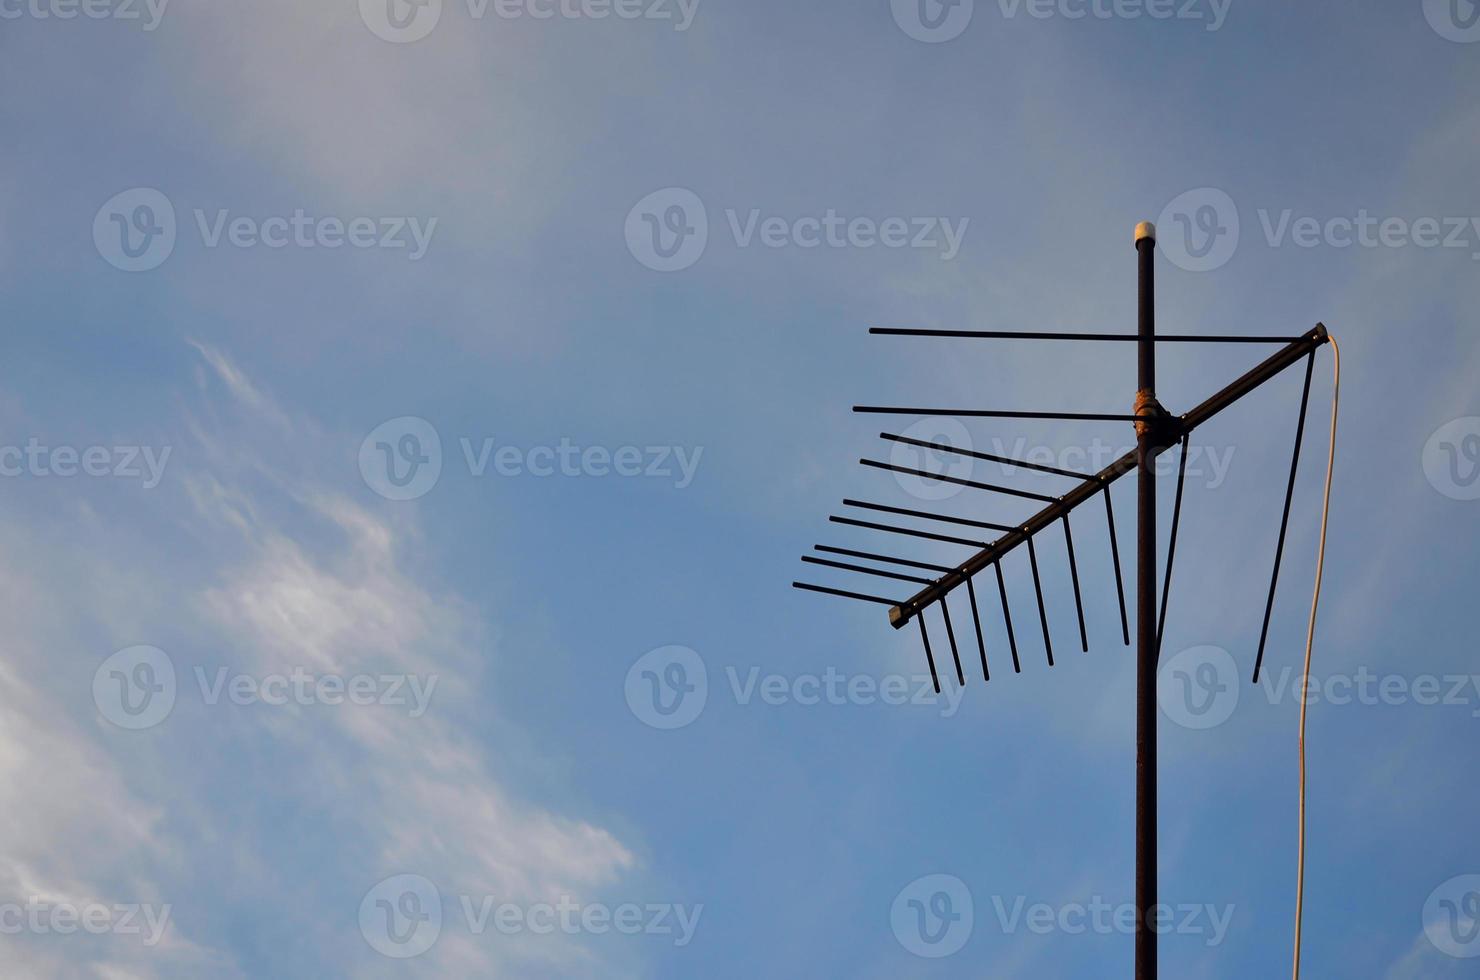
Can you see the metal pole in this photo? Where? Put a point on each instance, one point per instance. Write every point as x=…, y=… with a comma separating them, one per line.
x=1146, y=605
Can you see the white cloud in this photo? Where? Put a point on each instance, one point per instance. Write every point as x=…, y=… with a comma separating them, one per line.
x=286, y=572
x=421, y=782
x=78, y=835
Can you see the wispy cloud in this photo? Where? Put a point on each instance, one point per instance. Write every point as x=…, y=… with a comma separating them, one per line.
x=290, y=574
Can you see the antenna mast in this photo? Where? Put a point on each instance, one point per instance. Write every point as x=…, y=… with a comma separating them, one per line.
x=1156, y=431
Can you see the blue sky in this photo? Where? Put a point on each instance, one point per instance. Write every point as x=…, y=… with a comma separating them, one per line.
x=474, y=250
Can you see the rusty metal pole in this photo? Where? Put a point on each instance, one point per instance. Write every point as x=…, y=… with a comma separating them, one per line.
x=1146, y=451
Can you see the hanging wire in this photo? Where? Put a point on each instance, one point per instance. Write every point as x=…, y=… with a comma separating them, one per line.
x=1310, y=639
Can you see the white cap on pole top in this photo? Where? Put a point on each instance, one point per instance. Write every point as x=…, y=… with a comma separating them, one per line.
x=1145, y=230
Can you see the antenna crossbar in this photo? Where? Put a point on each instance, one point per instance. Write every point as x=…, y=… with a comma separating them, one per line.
x=1169, y=433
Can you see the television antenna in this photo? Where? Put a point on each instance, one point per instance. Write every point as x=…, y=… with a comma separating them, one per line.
x=1157, y=430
